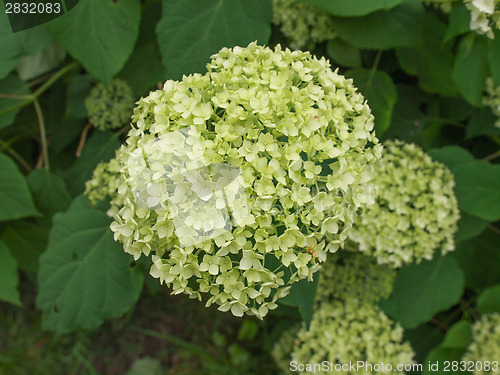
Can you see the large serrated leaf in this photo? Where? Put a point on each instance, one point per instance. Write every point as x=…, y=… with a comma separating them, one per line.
x=471, y=68
x=384, y=29
x=302, y=296
x=190, y=32
x=9, y=277
x=100, y=34
x=353, y=8
x=422, y=290
x=49, y=192
x=378, y=88
x=15, y=197
x=479, y=259
x=478, y=189
x=85, y=276
x=430, y=61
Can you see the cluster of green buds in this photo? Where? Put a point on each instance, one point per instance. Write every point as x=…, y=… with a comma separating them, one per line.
x=303, y=24
x=110, y=106
x=485, y=16
x=485, y=346
x=415, y=212
x=347, y=275
x=230, y=177
x=344, y=332
x=492, y=99
x=105, y=181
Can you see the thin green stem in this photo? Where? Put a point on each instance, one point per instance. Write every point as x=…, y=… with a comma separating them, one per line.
x=492, y=156
x=43, y=135
x=5, y=146
x=375, y=63
x=34, y=96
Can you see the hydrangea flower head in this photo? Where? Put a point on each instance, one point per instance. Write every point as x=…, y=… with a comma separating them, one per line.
x=230, y=177
x=485, y=346
x=485, y=14
x=342, y=332
x=109, y=107
x=354, y=276
x=302, y=23
x=415, y=212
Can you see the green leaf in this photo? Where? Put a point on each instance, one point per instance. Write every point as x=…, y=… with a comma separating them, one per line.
x=100, y=34
x=459, y=21
x=482, y=123
x=422, y=290
x=302, y=295
x=14, y=45
x=353, y=8
x=44, y=61
x=413, y=114
x=142, y=74
x=469, y=227
x=435, y=362
x=9, y=277
x=451, y=156
x=471, y=68
x=423, y=339
x=429, y=60
x=459, y=336
x=11, y=86
x=377, y=87
x=15, y=197
x=49, y=192
x=78, y=89
x=479, y=258
x=494, y=57
x=384, y=29
x=190, y=32
x=343, y=53
x=85, y=276
x=28, y=240
x=145, y=366
x=478, y=189
x=489, y=300
x=99, y=147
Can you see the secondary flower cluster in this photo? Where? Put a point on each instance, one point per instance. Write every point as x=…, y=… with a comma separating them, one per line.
x=229, y=177
x=347, y=275
x=302, y=23
x=485, y=346
x=343, y=332
x=109, y=107
x=105, y=181
x=492, y=99
x=415, y=212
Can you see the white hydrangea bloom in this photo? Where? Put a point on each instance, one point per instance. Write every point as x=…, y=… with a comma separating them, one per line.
x=302, y=23
x=415, y=212
x=485, y=346
x=485, y=15
x=229, y=177
x=342, y=332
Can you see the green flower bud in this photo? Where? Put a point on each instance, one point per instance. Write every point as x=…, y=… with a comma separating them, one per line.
x=344, y=332
x=302, y=23
x=230, y=177
x=105, y=181
x=109, y=107
x=485, y=346
x=415, y=212
x=354, y=276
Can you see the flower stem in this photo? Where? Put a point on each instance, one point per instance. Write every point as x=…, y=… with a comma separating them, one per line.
x=43, y=135
x=34, y=96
